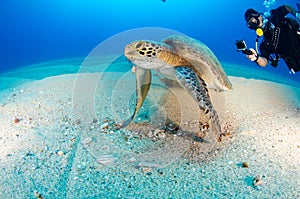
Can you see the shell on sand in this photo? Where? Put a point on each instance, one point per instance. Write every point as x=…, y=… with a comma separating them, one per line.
x=105, y=159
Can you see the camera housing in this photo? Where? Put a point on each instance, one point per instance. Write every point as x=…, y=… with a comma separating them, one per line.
x=241, y=46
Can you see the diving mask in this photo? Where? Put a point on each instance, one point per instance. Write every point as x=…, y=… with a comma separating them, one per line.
x=253, y=22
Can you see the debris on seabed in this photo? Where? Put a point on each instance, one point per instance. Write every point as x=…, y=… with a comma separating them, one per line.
x=94, y=121
x=230, y=162
x=78, y=122
x=60, y=153
x=159, y=133
x=38, y=195
x=245, y=165
x=104, y=126
x=258, y=180
x=105, y=159
x=146, y=169
x=17, y=120
x=87, y=141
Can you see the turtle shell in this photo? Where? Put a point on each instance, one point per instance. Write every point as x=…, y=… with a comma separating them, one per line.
x=203, y=60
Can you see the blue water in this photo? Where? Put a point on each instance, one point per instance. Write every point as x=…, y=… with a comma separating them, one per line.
x=41, y=38
x=37, y=31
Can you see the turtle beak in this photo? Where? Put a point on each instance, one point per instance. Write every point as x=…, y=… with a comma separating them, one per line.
x=129, y=52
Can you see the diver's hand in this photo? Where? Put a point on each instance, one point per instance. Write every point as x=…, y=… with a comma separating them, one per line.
x=254, y=55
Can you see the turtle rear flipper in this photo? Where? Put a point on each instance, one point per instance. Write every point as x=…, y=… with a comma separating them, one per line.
x=197, y=88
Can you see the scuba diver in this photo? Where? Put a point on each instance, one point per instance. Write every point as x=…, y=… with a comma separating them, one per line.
x=281, y=37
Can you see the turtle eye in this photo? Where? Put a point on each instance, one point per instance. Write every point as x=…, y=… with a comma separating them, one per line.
x=138, y=45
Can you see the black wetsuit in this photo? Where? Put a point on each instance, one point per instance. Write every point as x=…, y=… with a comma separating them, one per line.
x=281, y=38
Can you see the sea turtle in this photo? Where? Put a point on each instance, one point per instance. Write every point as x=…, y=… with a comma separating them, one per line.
x=185, y=60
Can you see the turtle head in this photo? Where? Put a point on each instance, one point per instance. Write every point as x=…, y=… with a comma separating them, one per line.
x=145, y=53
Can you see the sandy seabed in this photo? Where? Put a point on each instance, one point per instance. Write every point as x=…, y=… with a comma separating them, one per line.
x=59, y=139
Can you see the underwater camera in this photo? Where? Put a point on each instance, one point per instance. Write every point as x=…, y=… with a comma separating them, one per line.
x=241, y=46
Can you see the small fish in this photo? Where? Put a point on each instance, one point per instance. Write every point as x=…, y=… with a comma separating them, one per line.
x=164, y=1
x=143, y=82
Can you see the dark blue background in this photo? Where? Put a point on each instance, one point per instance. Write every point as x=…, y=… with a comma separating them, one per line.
x=35, y=31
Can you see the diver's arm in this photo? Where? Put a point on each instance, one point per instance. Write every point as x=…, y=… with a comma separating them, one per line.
x=261, y=61
x=280, y=12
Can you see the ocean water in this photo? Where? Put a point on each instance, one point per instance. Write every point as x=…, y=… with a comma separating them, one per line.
x=41, y=39
x=40, y=31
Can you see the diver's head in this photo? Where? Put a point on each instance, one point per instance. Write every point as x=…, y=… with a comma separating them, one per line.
x=253, y=19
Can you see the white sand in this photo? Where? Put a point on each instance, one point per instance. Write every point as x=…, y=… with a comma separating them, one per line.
x=54, y=150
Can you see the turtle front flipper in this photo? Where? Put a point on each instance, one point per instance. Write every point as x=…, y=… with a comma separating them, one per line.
x=196, y=86
x=143, y=82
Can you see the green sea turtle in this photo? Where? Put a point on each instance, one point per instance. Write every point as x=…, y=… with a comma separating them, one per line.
x=185, y=60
